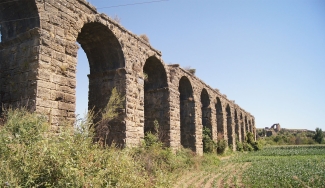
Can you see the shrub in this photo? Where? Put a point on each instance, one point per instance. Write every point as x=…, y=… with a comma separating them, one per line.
x=190, y=70
x=208, y=144
x=239, y=146
x=144, y=37
x=258, y=145
x=221, y=146
x=318, y=137
x=109, y=124
x=33, y=156
x=115, y=102
x=249, y=138
x=117, y=19
x=248, y=147
x=151, y=139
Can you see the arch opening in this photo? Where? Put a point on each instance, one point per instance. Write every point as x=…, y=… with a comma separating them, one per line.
x=219, y=114
x=0, y=33
x=229, y=126
x=106, y=72
x=242, y=128
x=187, y=113
x=246, y=125
x=249, y=126
x=206, y=110
x=156, y=103
x=17, y=18
x=105, y=58
x=237, y=128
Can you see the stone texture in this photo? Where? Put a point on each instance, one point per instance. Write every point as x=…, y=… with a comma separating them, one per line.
x=38, y=69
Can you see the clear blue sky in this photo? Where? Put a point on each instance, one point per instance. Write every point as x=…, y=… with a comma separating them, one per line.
x=268, y=56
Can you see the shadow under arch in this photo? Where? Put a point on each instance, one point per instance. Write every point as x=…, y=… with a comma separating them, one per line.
x=187, y=113
x=242, y=127
x=17, y=17
x=246, y=125
x=156, y=99
x=237, y=127
x=229, y=126
x=219, y=118
x=19, y=32
x=206, y=110
x=106, y=64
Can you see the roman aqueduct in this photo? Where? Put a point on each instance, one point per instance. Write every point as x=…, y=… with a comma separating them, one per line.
x=38, y=57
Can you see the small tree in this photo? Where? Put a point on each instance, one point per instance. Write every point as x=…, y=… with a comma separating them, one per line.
x=318, y=137
x=208, y=144
x=114, y=104
x=111, y=122
x=221, y=144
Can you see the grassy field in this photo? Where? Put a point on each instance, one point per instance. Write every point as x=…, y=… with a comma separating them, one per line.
x=282, y=166
x=33, y=155
x=286, y=166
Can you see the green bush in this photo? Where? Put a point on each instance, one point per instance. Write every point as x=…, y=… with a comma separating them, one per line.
x=221, y=146
x=239, y=146
x=208, y=144
x=151, y=139
x=250, y=144
x=33, y=155
x=258, y=145
x=248, y=147
x=319, y=135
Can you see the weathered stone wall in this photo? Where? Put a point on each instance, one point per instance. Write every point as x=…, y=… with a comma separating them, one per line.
x=19, y=47
x=223, y=113
x=38, y=59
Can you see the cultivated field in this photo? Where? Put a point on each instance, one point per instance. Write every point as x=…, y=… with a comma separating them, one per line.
x=284, y=166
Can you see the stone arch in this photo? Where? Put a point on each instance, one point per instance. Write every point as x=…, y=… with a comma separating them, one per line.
x=187, y=113
x=229, y=125
x=219, y=118
x=237, y=127
x=102, y=48
x=156, y=97
x=106, y=63
x=206, y=110
x=24, y=15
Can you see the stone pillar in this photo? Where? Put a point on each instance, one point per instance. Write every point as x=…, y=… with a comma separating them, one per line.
x=134, y=104
x=233, y=132
x=225, y=125
x=175, y=126
x=198, y=126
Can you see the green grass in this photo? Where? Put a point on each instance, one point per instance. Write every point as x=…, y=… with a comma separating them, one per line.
x=287, y=166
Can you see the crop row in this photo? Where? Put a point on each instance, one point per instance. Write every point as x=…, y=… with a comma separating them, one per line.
x=292, y=150
x=285, y=171
x=286, y=166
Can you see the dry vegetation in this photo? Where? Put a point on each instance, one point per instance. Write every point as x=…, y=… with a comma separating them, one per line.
x=144, y=37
